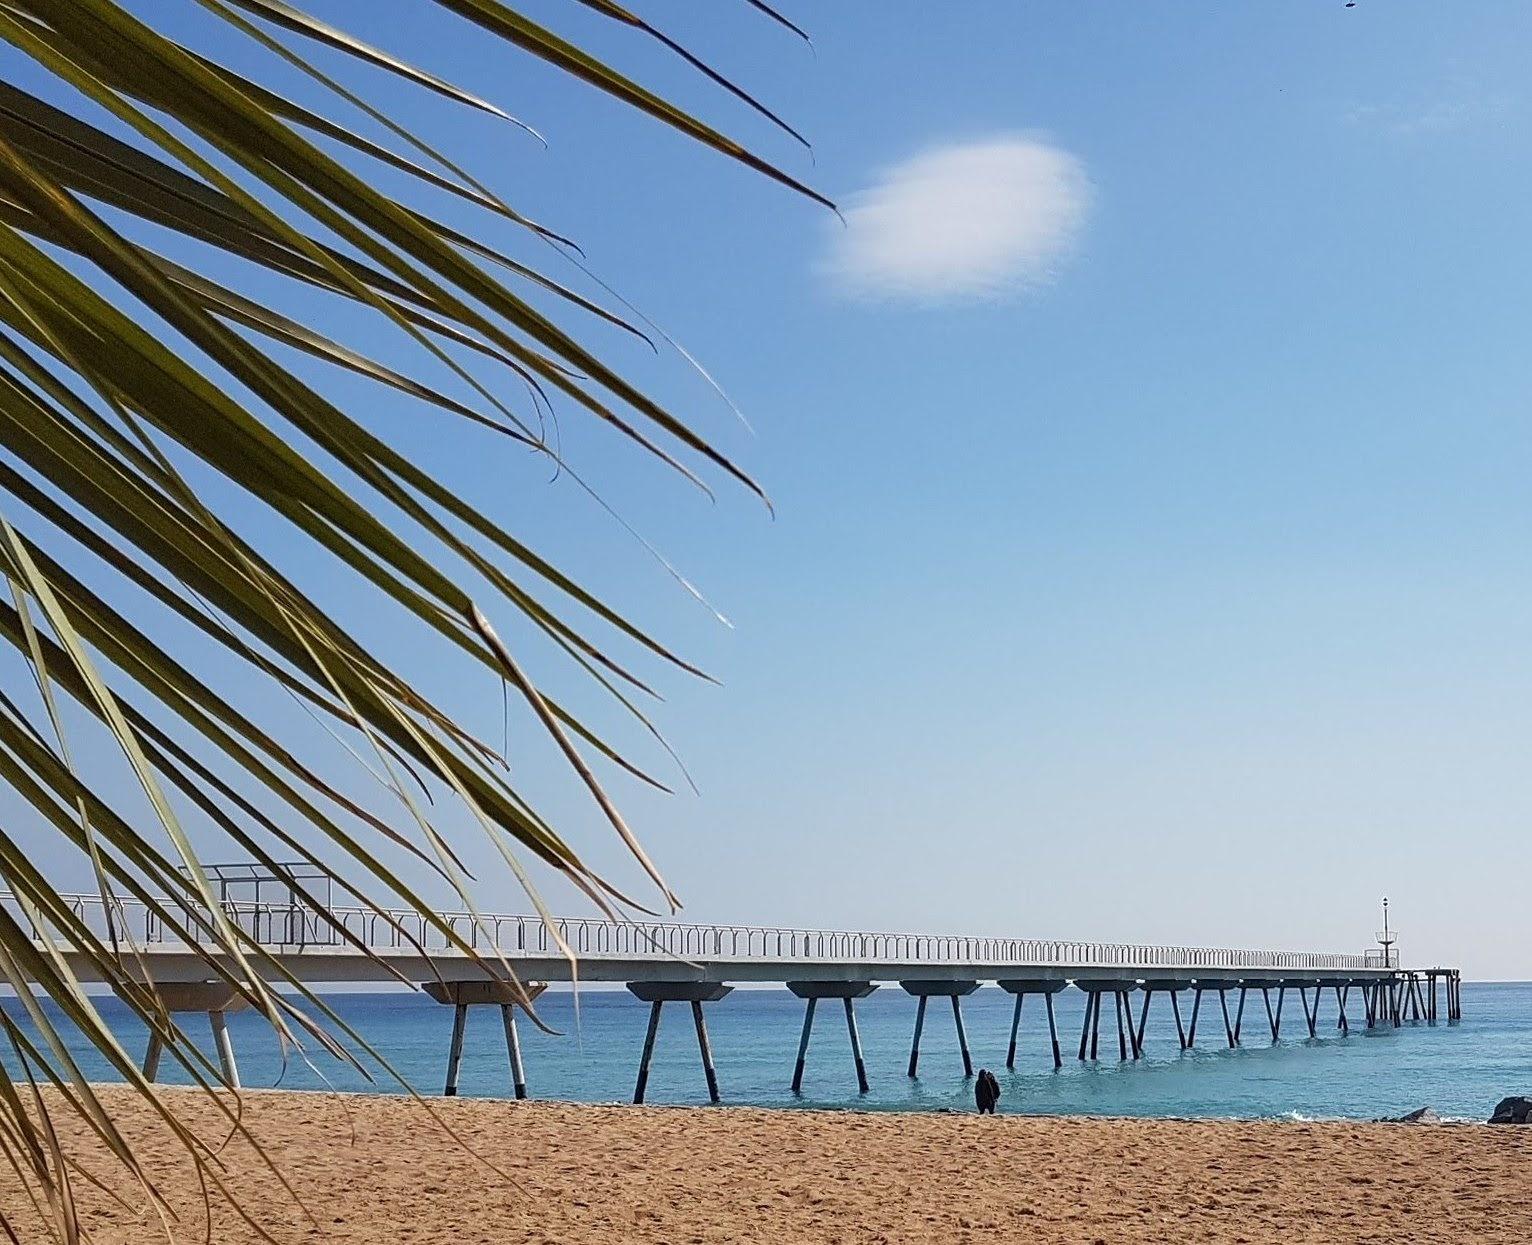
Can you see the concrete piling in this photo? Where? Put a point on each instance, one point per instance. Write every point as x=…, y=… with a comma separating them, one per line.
x=217, y=999
x=507, y=996
x=954, y=990
x=658, y=993
x=848, y=992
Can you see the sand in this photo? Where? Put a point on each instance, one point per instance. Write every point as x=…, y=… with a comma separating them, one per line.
x=375, y=1169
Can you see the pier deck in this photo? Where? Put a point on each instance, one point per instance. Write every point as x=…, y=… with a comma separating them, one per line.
x=694, y=964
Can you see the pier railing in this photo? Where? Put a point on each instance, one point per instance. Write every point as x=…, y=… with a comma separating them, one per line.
x=296, y=928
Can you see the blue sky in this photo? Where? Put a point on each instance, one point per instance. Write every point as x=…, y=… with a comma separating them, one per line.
x=1169, y=578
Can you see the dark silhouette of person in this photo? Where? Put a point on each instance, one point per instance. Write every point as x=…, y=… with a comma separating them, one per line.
x=986, y=1091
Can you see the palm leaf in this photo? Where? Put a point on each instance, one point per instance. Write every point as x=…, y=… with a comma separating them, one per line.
x=151, y=394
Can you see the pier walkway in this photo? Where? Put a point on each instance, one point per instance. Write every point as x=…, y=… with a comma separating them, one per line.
x=675, y=962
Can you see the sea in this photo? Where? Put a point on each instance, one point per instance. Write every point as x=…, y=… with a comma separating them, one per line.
x=589, y=1047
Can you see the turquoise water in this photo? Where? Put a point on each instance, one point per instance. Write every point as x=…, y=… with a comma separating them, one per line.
x=1461, y=1070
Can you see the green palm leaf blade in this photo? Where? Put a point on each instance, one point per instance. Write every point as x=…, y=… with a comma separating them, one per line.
x=144, y=386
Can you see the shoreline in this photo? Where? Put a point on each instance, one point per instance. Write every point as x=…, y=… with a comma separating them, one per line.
x=788, y=1108
x=373, y=1168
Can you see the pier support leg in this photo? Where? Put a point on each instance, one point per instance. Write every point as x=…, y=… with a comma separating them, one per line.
x=1276, y=1029
x=920, y=1023
x=1122, y=1044
x=1090, y=1002
x=1223, y=1002
x=152, y=1057
x=462, y=995
x=518, y=1074
x=1367, y=1003
x=513, y=1049
x=962, y=1035
x=1308, y=1016
x=925, y=989
x=1095, y=1024
x=1191, y=1032
x=217, y=999
x=1053, y=1033
x=856, y=1045
x=1175, y=1009
x=1239, y=1015
x=1271, y=1022
x=1143, y=1021
x=706, y=1051
x=658, y=993
x=803, y=1044
x=226, y=1064
x=1010, y=1054
x=1343, y=1024
x=643, y=1061
x=455, y=1051
x=847, y=992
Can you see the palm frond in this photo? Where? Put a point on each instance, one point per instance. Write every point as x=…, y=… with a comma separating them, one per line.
x=151, y=394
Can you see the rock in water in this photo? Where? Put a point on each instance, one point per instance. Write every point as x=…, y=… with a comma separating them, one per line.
x=1424, y=1116
x=1513, y=1111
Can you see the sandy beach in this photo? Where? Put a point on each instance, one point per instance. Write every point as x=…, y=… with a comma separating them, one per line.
x=372, y=1170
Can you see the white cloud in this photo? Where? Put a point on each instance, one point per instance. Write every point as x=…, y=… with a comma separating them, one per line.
x=970, y=221
x=1455, y=107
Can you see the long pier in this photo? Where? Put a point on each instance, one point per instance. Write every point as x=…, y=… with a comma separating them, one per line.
x=699, y=965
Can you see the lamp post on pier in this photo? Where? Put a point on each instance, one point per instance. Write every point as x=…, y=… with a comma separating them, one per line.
x=1387, y=939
